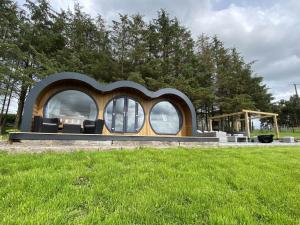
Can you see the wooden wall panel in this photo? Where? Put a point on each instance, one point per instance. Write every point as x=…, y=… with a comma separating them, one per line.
x=103, y=98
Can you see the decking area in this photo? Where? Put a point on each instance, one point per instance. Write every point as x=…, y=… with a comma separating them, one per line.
x=18, y=136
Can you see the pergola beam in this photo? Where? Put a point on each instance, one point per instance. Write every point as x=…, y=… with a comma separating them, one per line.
x=264, y=114
x=226, y=115
x=260, y=113
x=260, y=117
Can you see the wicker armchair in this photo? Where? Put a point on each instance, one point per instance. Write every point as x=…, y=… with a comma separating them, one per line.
x=45, y=125
x=93, y=126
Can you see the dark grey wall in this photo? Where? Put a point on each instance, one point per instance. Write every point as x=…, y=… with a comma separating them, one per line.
x=38, y=88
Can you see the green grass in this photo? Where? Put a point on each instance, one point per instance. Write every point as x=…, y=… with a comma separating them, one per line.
x=4, y=137
x=295, y=134
x=174, y=186
x=7, y=130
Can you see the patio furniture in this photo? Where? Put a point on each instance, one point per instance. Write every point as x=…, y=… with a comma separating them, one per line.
x=71, y=128
x=265, y=138
x=93, y=126
x=237, y=139
x=254, y=139
x=239, y=134
x=218, y=134
x=287, y=139
x=45, y=125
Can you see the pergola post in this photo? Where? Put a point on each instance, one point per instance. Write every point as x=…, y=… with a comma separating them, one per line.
x=276, y=127
x=236, y=121
x=247, y=127
x=210, y=125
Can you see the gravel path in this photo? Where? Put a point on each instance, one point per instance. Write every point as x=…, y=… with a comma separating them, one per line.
x=70, y=146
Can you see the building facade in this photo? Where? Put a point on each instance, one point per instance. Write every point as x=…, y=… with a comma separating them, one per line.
x=125, y=107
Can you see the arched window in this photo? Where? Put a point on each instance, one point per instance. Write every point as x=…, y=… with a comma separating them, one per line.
x=124, y=114
x=71, y=106
x=165, y=118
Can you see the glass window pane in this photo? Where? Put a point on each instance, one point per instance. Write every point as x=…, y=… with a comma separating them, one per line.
x=131, y=116
x=71, y=106
x=141, y=117
x=119, y=115
x=132, y=110
x=165, y=119
x=108, y=114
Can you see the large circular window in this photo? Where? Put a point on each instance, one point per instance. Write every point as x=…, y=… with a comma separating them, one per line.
x=124, y=114
x=71, y=107
x=165, y=118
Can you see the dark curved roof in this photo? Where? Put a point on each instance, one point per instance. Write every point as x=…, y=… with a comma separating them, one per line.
x=36, y=90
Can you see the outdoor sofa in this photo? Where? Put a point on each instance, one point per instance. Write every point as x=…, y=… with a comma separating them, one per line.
x=45, y=125
x=93, y=126
x=51, y=125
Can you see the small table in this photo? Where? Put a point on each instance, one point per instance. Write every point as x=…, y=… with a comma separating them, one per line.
x=237, y=139
x=71, y=128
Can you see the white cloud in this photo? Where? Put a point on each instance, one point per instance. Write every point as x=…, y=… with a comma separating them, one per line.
x=270, y=36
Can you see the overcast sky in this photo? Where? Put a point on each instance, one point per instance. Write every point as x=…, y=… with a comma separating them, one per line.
x=265, y=31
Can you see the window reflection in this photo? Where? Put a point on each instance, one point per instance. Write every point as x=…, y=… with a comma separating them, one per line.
x=140, y=119
x=119, y=116
x=131, y=107
x=108, y=114
x=165, y=119
x=124, y=114
x=71, y=107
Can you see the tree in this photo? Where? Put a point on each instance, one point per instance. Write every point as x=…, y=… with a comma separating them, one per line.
x=10, y=56
x=289, y=112
x=37, y=41
x=120, y=37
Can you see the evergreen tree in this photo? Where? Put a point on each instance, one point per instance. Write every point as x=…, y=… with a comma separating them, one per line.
x=289, y=112
x=10, y=56
x=36, y=41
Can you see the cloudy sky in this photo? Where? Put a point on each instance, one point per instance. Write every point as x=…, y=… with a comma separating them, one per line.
x=265, y=31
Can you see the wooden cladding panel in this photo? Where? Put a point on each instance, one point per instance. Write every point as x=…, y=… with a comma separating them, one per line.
x=103, y=98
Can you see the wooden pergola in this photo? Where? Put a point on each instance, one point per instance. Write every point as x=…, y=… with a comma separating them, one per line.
x=247, y=115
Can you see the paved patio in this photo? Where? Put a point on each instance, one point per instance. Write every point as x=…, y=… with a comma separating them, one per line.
x=70, y=146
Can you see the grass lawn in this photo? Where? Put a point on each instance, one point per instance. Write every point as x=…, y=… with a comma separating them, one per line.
x=295, y=134
x=4, y=136
x=173, y=186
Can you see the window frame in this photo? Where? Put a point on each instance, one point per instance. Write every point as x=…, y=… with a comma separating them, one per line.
x=179, y=113
x=71, y=89
x=125, y=114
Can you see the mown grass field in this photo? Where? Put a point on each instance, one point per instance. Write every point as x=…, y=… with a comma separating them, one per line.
x=4, y=136
x=283, y=133
x=293, y=133
x=147, y=186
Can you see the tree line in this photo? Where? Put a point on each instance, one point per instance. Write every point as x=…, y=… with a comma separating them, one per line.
x=36, y=41
x=289, y=112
